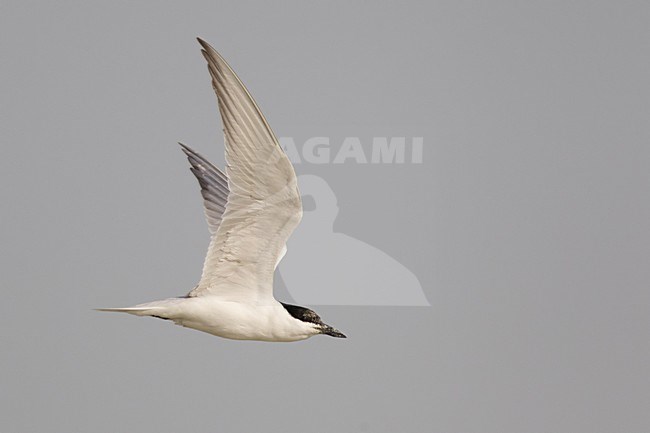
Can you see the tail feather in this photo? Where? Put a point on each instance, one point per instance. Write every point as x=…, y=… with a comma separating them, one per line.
x=163, y=309
x=138, y=311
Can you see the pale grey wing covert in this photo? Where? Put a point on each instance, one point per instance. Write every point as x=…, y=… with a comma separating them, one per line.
x=263, y=205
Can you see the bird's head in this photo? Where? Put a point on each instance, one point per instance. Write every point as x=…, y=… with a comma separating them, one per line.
x=309, y=316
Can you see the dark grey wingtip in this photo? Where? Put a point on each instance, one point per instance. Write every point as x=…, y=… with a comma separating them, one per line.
x=202, y=42
x=213, y=183
x=206, y=48
x=191, y=153
x=185, y=148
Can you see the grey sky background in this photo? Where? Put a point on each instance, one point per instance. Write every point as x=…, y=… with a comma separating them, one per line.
x=526, y=223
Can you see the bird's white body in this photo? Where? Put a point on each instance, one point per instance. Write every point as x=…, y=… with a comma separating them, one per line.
x=251, y=212
x=229, y=319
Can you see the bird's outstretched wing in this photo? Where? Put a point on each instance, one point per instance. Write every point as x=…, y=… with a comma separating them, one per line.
x=263, y=205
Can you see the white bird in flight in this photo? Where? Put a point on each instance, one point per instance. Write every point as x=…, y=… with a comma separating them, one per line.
x=251, y=213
